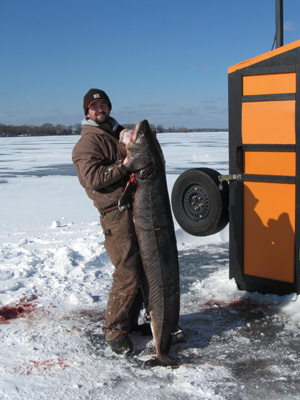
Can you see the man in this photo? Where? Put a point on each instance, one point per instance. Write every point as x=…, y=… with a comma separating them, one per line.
x=98, y=157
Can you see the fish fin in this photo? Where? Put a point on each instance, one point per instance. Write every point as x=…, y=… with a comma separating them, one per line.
x=178, y=337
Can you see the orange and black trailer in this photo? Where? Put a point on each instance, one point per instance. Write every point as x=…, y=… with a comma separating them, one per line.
x=264, y=156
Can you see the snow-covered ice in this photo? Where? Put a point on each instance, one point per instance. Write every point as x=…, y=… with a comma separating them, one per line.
x=55, y=279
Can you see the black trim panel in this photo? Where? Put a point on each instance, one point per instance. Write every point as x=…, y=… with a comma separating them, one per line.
x=265, y=286
x=254, y=70
x=268, y=178
x=270, y=147
x=269, y=97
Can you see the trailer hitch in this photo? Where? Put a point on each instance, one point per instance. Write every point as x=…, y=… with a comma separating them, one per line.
x=230, y=177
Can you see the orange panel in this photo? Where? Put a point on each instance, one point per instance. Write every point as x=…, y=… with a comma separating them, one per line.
x=268, y=122
x=264, y=56
x=269, y=84
x=270, y=163
x=269, y=230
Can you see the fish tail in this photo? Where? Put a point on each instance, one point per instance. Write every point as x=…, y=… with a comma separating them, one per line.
x=162, y=360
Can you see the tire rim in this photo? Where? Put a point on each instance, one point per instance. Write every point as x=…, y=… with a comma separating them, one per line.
x=196, y=203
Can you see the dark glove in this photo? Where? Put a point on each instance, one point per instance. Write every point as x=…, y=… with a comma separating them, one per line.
x=126, y=200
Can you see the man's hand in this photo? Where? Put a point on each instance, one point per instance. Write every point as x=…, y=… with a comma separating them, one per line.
x=126, y=200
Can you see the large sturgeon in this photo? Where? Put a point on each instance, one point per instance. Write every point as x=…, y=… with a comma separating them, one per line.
x=156, y=236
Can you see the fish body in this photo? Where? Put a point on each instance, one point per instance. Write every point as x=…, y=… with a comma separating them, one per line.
x=155, y=234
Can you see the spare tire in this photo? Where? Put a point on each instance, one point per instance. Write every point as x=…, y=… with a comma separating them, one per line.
x=199, y=206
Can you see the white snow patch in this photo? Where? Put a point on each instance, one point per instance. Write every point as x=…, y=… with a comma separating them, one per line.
x=55, y=273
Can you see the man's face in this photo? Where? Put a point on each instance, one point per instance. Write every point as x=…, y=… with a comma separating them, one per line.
x=99, y=111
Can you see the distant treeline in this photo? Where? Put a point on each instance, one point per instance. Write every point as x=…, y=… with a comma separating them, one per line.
x=43, y=130
x=50, y=130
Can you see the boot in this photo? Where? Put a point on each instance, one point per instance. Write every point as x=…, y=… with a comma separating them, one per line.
x=121, y=345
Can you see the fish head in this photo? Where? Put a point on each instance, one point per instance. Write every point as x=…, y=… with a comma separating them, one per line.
x=142, y=147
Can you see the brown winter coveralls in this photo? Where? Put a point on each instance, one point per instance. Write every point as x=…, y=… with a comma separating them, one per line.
x=97, y=157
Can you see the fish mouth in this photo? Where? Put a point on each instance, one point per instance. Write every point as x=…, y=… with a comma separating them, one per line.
x=132, y=135
x=126, y=136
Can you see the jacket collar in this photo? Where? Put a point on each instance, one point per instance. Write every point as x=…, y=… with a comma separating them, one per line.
x=114, y=123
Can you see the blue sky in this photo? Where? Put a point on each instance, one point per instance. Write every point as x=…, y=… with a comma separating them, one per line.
x=163, y=60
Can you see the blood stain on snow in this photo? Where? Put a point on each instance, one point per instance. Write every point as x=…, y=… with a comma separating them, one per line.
x=21, y=309
x=241, y=305
x=41, y=367
x=100, y=315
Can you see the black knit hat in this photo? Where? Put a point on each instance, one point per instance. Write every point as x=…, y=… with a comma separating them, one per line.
x=93, y=95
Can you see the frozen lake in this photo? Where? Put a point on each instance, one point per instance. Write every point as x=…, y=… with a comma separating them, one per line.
x=55, y=271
